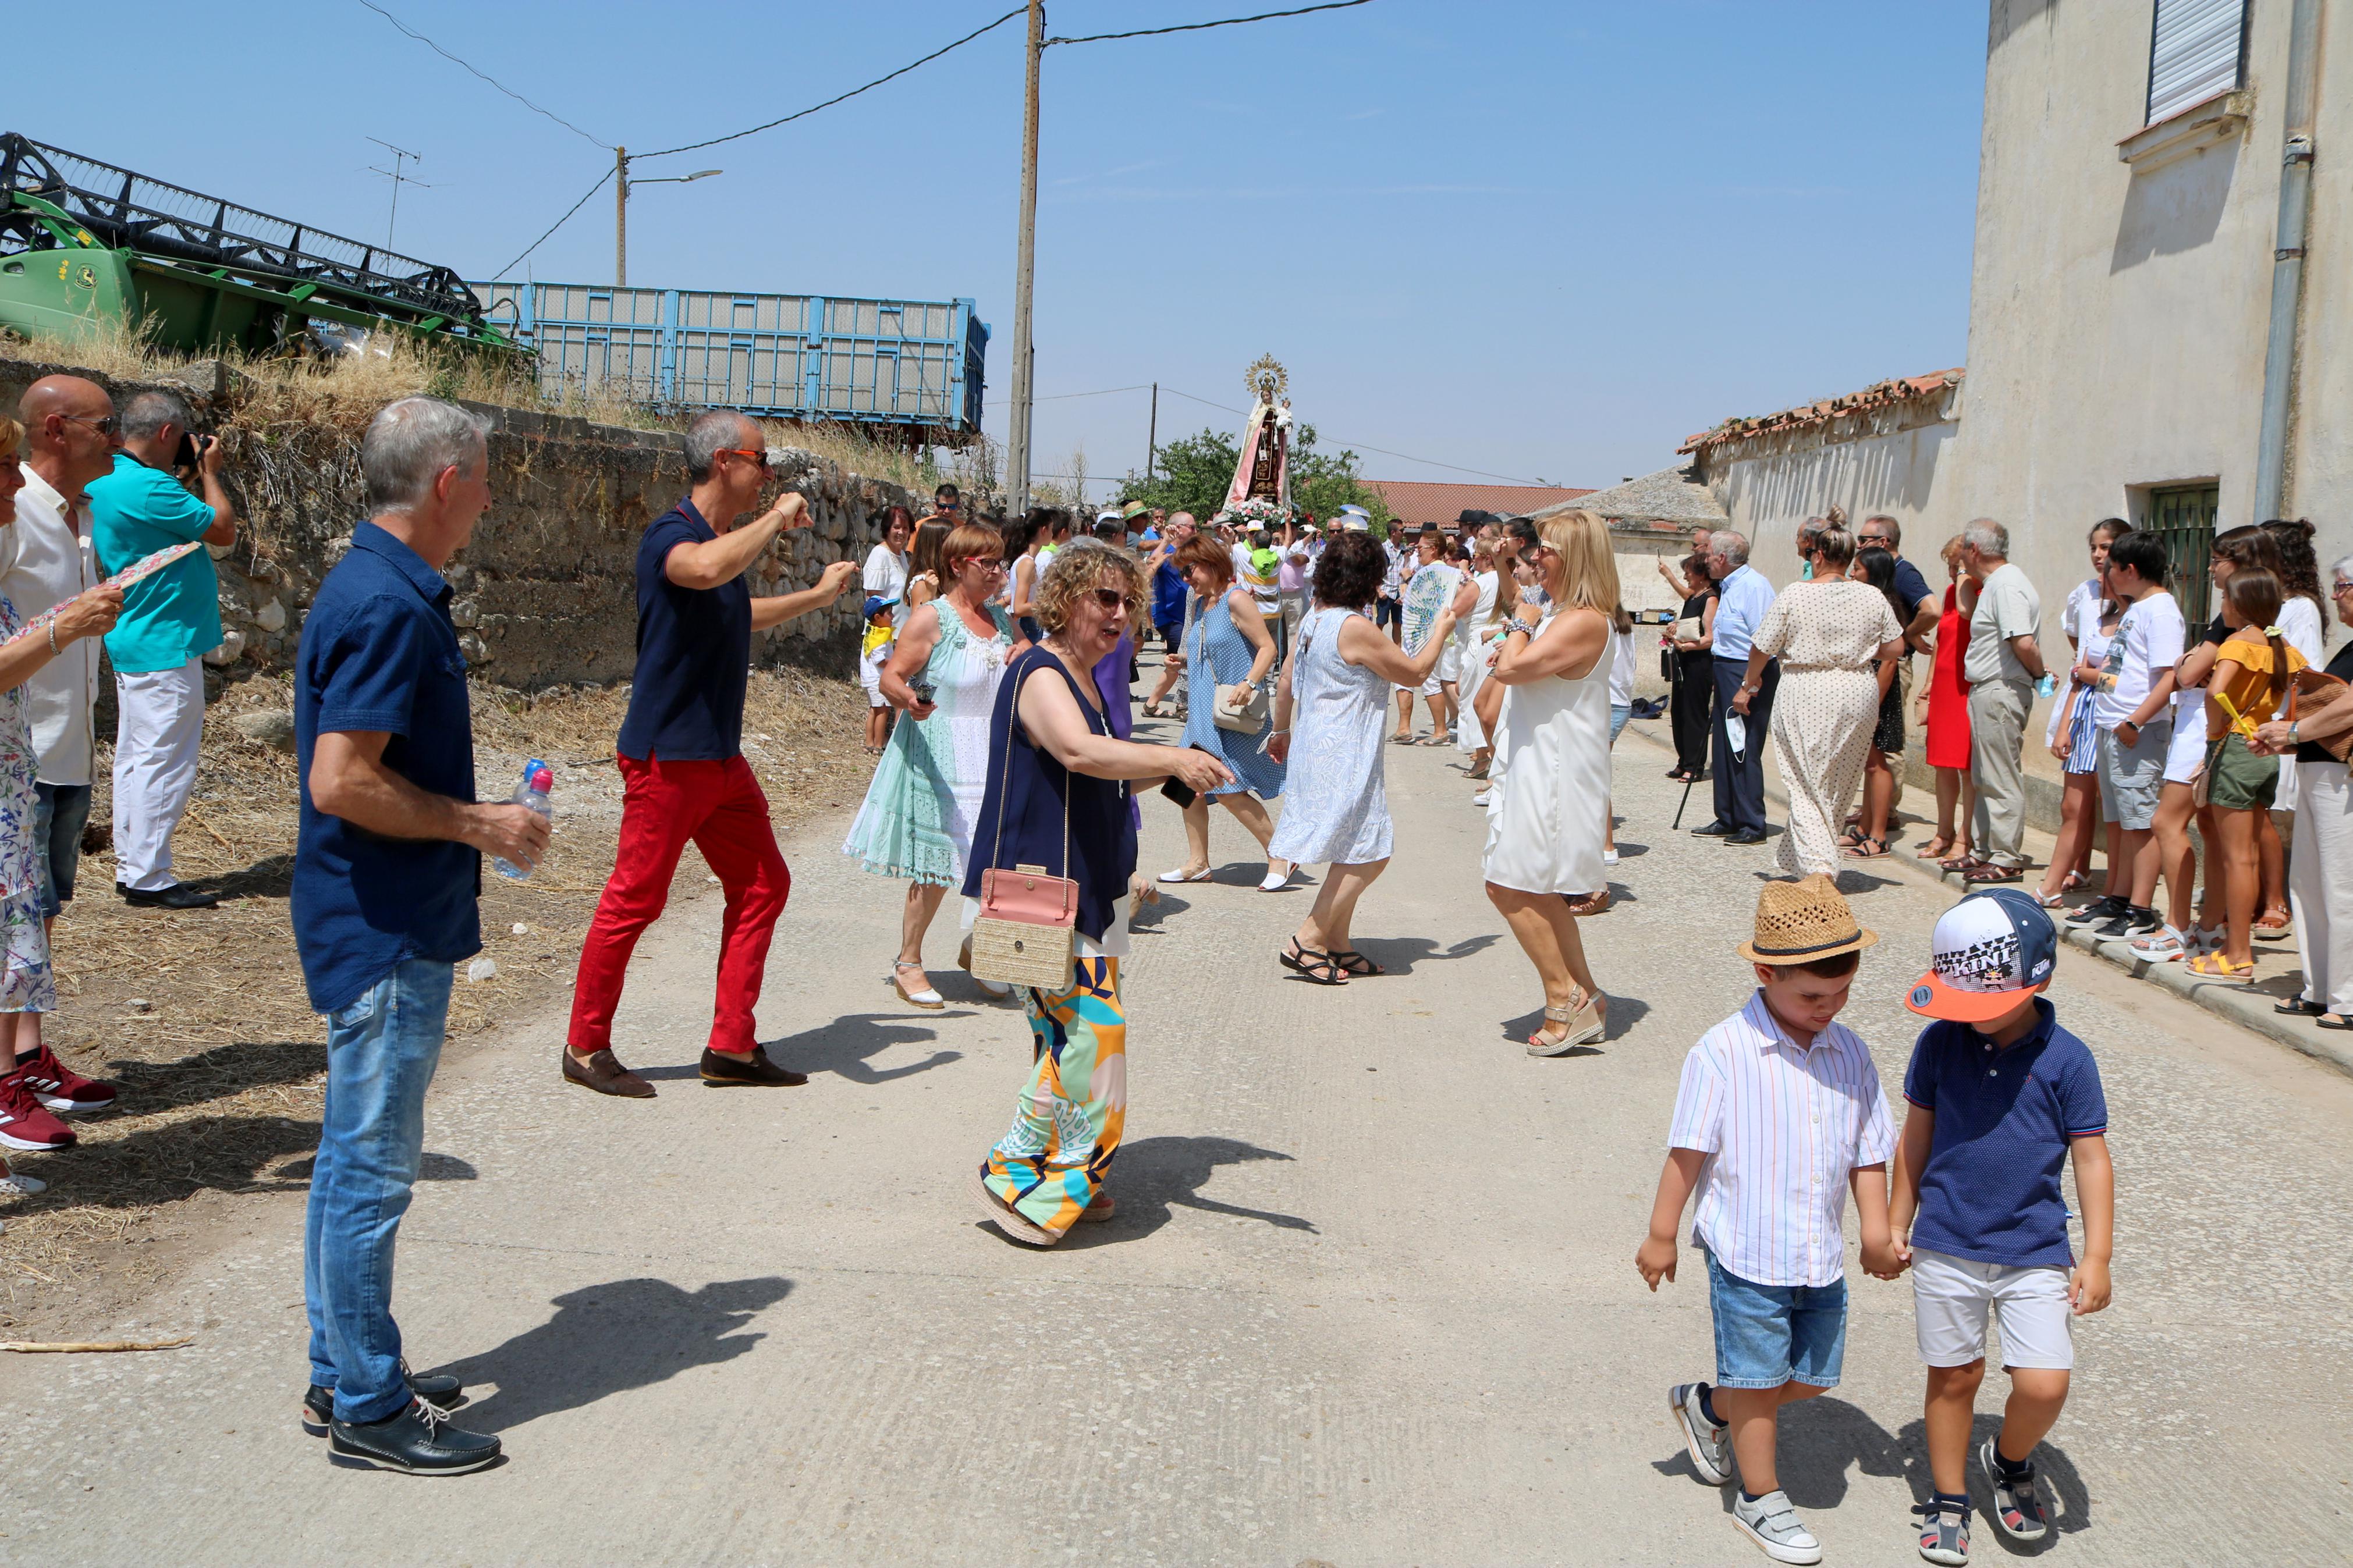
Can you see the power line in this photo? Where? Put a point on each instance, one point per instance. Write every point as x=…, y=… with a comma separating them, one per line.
x=559, y=223
x=854, y=92
x=1062, y=396
x=1198, y=27
x=502, y=87
x=1362, y=447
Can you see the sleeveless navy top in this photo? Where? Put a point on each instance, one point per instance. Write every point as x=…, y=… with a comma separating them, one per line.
x=1028, y=787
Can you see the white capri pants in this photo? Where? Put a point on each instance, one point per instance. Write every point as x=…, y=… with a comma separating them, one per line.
x=160, y=722
x=2320, y=884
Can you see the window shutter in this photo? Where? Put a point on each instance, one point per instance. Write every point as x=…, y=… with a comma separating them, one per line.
x=2195, y=52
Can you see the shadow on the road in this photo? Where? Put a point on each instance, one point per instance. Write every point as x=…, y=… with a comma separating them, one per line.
x=431, y=1167
x=1152, y=1176
x=845, y=1046
x=1398, y=954
x=609, y=1339
x=272, y=876
x=1627, y=851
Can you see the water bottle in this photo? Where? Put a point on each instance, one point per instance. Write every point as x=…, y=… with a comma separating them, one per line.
x=538, y=780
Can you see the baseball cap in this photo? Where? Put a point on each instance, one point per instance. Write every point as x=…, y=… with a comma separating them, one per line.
x=1989, y=952
x=877, y=602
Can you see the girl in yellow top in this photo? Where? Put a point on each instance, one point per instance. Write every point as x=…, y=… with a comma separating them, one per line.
x=2253, y=671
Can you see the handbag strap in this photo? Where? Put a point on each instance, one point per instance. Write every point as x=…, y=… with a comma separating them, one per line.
x=1005, y=779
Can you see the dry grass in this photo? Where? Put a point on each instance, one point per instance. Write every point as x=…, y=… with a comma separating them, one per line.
x=221, y=1070
x=343, y=393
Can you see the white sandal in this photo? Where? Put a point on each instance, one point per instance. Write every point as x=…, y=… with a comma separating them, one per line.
x=927, y=998
x=1179, y=875
x=1271, y=883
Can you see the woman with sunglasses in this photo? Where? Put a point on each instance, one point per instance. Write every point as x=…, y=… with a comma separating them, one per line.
x=1229, y=654
x=916, y=821
x=1059, y=788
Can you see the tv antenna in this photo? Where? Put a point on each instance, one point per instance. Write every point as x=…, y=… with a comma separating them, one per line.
x=401, y=157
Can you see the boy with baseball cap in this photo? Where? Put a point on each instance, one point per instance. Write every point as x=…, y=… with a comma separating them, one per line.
x=2000, y=1098
x=1779, y=1114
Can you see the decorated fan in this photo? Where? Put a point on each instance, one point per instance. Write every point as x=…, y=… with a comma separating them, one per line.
x=146, y=566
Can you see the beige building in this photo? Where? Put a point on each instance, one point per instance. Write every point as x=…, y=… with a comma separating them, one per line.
x=2153, y=332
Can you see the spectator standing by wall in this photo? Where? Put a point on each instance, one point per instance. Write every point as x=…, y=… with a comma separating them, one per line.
x=1944, y=716
x=886, y=563
x=169, y=620
x=1744, y=599
x=2133, y=714
x=387, y=875
x=2005, y=660
x=2320, y=872
x=683, y=776
x=1916, y=611
x=70, y=431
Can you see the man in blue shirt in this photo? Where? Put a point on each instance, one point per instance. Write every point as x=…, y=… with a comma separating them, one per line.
x=683, y=776
x=388, y=870
x=1739, y=779
x=169, y=621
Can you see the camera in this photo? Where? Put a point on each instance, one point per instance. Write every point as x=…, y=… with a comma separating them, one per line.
x=192, y=447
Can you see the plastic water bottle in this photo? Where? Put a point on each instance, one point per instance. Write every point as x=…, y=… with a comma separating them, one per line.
x=538, y=780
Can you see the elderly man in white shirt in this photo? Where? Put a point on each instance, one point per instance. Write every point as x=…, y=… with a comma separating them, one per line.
x=71, y=435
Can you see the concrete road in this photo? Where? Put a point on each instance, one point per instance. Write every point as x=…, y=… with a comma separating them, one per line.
x=1369, y=1298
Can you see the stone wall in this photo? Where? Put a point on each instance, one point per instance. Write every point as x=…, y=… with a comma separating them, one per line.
x=546, y=590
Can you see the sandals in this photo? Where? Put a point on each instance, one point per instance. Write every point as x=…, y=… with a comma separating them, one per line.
x=1867, y=848
x=2048, y=900
x=2298, y=1007
x=1966, y=860
x=1322, y=968
x=1851, y=839
x=1587, y=905
x=1357, y=964
x=929, y=1000
x=1986, y=874
x=1939, y=847
x=1152, y=709
x=2214, y=966
x=1181, y=875
x=2274, y=925
x=1585, y=1020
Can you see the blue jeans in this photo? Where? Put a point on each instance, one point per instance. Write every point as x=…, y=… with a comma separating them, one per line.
x=60, y=813
x=381, y=1053
x=1767, y=1335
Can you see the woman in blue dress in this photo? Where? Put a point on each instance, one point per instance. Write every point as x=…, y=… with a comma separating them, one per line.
x=1228, y=649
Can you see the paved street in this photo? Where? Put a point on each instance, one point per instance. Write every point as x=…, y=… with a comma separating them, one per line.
x=1369, y=1298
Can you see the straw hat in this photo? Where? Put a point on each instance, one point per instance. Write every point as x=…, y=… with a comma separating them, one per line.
x=1797, y=922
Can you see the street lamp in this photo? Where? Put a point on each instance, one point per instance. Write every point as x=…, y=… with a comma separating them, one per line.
x=621, y=183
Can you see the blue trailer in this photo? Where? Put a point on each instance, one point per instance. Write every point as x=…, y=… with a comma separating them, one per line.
x=910, y=368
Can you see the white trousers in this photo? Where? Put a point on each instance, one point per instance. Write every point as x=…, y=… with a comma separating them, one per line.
x=160, y=723
x=2320, y=885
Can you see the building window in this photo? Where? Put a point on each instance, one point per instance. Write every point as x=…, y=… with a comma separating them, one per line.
x=2183, y=517
x=2196, y=48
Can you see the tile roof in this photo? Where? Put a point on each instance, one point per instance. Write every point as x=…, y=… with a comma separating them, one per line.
x=1416, y=502
x=1670, y=497
x=1880, y=395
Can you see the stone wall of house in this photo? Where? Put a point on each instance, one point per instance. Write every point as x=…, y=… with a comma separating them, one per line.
x=546, y=589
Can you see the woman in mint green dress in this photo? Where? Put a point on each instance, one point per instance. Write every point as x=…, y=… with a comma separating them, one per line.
x=916, y=822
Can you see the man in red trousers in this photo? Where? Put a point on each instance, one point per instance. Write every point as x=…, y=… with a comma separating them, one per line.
x=683, y=776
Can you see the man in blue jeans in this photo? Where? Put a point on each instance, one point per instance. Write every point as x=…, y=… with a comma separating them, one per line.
x=387, y=875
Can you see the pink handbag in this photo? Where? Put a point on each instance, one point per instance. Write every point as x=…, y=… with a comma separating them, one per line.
x=1027, y=931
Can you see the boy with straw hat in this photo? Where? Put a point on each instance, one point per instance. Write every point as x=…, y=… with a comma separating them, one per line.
x=1780, y=1115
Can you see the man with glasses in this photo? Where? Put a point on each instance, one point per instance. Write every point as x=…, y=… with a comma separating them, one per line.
x=947, y=506
x=683, y=776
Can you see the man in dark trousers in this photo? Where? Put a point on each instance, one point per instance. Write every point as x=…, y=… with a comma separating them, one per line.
x=683, y=776
x=1739, y=779
x=387, y=876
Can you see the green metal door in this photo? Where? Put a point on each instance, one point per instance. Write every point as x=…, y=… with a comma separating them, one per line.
x=2183, y=517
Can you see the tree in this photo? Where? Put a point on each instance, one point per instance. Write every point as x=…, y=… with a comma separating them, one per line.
x=1192, y=472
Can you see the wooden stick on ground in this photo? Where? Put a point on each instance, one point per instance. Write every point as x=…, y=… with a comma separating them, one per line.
x=35, y=1347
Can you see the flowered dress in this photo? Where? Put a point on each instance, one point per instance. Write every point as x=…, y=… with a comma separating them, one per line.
x=25, y=983
x=916, y=822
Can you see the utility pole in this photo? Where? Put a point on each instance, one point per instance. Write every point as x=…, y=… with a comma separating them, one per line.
x=399, y=156
x=1025, y=271
x=620, y=217
x=1151, y=437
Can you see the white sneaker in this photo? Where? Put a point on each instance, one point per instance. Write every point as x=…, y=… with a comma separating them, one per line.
x=24, y=1184
x=1609, y=857
x=1773, y=1525
x=1710, y=1445
x=1480, y=799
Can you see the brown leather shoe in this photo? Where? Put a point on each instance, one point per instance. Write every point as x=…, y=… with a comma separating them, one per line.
x=603, y=1072
x=727, y=1072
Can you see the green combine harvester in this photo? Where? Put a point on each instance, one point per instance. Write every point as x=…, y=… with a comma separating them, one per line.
x=88, y=249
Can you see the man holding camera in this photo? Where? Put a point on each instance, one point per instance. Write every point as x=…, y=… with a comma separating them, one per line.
x=169, y=620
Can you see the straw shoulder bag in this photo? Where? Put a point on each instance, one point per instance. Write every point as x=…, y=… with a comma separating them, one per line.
x=1027, y=931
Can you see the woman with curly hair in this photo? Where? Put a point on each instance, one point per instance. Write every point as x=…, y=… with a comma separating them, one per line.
x=1229, y=654
x=1337, y=682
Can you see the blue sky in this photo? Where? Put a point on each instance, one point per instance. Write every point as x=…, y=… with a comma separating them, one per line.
x=1541, y=240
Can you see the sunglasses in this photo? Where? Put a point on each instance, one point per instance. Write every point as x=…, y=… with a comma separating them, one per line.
x=757, y=455
x=106, y=427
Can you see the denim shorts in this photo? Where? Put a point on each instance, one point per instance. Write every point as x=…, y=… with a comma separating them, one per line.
x=59, y=813
x=1767, y=1335
x=1619, y=714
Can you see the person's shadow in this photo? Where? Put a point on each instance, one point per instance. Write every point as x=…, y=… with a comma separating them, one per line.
x=609, y=1339
x=1152, y=1176
x=842, y=1047
x=1399, y=954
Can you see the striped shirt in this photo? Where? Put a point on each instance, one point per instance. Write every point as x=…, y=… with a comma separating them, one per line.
x=1781, y=1125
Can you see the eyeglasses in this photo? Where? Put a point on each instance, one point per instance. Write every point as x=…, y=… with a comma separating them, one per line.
x=1110, y=598
x=1878, y=539
x=106, y=427
x=2340, y=590
x=755, y=453
x=985, y=562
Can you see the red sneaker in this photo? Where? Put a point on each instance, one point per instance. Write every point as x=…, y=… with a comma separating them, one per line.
x=24, y=1124
x=59, y=1087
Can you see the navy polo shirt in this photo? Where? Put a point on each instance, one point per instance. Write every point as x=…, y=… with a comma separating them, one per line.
x=694, y=654
x=1990, y=1192
x=378, y=654
x=1910, y=587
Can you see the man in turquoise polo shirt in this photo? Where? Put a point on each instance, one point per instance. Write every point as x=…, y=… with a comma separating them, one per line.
x=169, y=621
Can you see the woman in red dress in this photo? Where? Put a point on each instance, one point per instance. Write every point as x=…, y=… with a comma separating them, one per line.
x=1944, y=708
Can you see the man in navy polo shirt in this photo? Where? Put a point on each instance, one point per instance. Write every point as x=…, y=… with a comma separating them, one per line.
x=683, y=776
x=388, y=870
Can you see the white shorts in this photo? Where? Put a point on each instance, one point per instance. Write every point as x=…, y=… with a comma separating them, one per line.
x=1953, y=1295
x=2188, y=753
x=1447, y=670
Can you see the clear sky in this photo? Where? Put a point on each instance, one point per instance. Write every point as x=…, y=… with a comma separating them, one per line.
x=1542, y=238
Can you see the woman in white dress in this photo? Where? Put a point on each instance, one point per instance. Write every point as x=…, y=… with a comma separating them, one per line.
x=1551, y=768
x=1328, y=713
x=1471, y=657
